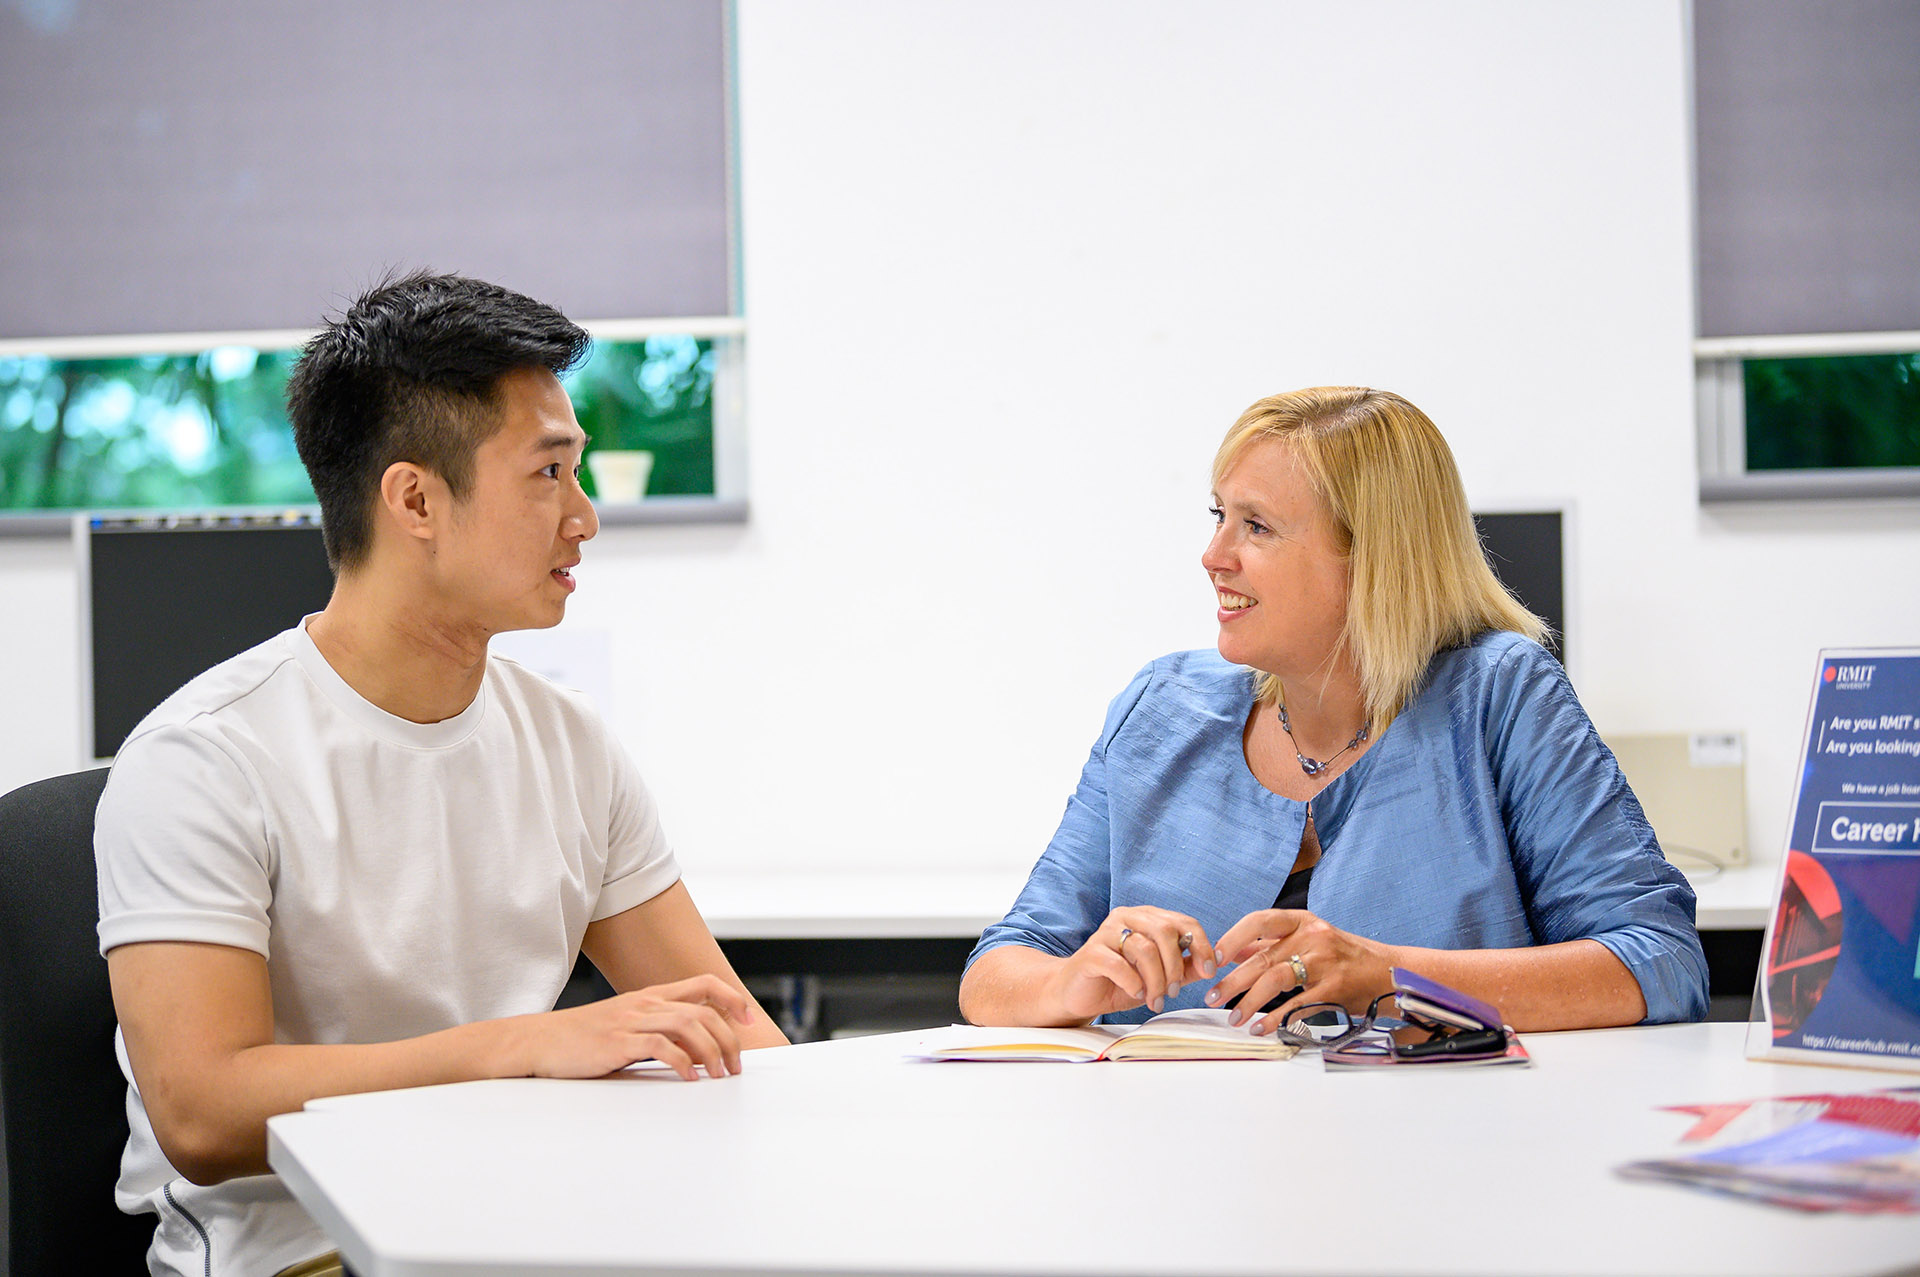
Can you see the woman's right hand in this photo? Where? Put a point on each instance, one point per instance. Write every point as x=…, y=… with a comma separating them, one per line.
x=1138, y=955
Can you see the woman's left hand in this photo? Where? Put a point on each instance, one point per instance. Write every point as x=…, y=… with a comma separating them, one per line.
x=1340, y=967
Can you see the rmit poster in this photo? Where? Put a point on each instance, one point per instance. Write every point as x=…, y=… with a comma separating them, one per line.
x=1841, y=968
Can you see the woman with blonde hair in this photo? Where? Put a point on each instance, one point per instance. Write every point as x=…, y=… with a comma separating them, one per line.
x=1380, y=767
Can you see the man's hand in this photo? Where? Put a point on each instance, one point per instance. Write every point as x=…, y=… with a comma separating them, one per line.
x=663, y=944
x=688, y=1025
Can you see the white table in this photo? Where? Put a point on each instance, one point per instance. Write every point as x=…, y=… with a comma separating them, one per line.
x=841, y=1157
x=849, y=904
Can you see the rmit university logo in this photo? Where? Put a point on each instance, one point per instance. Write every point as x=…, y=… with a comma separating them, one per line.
x=1850, y=678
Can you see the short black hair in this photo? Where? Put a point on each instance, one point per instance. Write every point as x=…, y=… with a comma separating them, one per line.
x=411, y=372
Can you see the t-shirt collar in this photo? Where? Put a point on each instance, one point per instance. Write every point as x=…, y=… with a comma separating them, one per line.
x=401, y=731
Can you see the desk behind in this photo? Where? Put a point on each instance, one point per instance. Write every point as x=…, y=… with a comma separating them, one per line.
x=852, y=904
x=796, y=929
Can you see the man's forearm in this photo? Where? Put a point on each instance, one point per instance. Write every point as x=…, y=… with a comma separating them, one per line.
x=217, y=1129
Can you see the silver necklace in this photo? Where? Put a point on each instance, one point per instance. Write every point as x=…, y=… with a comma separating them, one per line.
x=1313, y=766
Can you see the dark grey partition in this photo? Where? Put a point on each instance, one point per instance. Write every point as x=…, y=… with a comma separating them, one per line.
x=211, y=165
x=167, y=598
x=1527, y=550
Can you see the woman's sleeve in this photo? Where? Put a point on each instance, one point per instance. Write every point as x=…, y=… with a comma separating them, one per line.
x=1067, y=894
x=1590, y=866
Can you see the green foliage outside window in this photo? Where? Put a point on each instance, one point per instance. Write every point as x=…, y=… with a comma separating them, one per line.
x=209, y=429
x=655, y=396
x=1832, y=413
x=187, y=431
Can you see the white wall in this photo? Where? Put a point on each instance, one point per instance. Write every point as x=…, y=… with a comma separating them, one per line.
x=1012, y=268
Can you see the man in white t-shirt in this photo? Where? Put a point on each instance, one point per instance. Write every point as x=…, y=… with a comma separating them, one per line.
x=365, y=854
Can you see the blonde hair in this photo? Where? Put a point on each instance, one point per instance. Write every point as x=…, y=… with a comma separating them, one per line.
x=1418, y=579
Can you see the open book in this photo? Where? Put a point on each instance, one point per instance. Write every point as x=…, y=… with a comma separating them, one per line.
x=1194, y=1034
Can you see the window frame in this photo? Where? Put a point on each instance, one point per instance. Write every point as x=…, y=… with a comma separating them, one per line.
x=1720, y=397
x=727, y=503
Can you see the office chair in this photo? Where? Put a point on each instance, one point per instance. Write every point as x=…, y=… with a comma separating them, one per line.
x=61, y=1089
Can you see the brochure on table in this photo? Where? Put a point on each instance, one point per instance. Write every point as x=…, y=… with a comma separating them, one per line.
x=1841, y=971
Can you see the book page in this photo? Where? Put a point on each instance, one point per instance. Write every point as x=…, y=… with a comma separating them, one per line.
x=1073, y=1046
x=1197, y=1033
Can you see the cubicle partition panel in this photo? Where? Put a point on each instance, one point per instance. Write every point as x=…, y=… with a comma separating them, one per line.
x=1528, y=552
x=164, y=598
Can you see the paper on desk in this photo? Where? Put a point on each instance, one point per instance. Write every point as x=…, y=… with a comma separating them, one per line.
x=1857, y=1153
x=1815, y=1166
x=1894, y=1109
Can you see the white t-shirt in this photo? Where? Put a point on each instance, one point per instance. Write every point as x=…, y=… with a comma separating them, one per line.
x=399, y=878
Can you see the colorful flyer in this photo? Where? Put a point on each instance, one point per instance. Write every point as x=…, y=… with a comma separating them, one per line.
x=1841, y=965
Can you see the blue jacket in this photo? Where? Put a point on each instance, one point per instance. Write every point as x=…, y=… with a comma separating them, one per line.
x=1489, y=815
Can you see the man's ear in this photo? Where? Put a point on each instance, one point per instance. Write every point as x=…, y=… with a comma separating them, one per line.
x=414, y=499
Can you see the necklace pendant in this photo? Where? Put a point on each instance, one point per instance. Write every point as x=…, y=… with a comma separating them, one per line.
x=1313, y=766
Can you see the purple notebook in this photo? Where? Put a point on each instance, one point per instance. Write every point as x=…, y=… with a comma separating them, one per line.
x=1436, y=1001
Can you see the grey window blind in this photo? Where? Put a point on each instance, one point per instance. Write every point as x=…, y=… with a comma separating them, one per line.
x=208, y=165
x=1807, y=124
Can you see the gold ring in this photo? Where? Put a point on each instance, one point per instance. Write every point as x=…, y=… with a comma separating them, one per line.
x=1299, y=970
x=1122, y=943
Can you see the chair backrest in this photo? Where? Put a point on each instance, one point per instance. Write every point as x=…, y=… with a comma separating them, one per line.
x=64, y=1097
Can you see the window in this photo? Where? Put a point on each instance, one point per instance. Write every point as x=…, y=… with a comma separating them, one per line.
x=1837, y=412
x=206, y=428
x=225, y=175
x=1780, y=417
x=1808, y=270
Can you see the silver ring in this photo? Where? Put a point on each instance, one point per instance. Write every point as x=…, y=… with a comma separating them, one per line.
x=1186, y=940
x=1299, y=970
